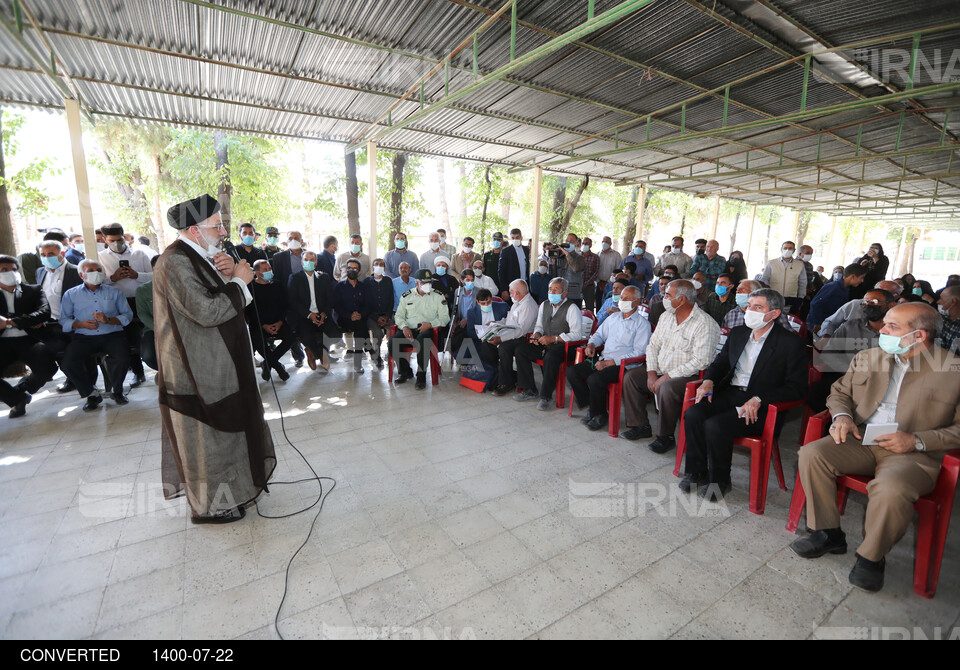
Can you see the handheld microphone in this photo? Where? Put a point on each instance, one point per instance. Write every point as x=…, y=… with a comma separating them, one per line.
x=231, y=249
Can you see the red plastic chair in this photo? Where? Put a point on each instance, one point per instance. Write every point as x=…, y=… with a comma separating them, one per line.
x=762, y=448
x=614, y=391
x=799, y=327
x=434, y=357
x=934, y=509
x=562, y=375
x=496, y=298
x=813, y=375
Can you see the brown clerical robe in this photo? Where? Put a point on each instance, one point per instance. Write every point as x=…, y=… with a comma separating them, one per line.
x=216, y=445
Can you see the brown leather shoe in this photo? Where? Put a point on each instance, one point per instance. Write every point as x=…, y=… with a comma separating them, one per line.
x=311, y=358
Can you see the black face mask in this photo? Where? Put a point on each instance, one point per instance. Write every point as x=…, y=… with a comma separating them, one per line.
x=352, y=274
x=873, y=312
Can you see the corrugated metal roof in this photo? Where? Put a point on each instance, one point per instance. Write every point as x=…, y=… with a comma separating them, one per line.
x=327, y=70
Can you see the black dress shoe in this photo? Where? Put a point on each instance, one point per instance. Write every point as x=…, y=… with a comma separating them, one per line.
x=20, y=408
x=820, y=542
x=379, y=363
x=282, y=373
x=585, y=419
x=868, y=575
x=404, y=376
x=93, y=401
x=715, y=491
x=228, y=517
x=66, y=387
x=662, y=444
x=637, y=433
x=421, y=381
x=503, y=390
x=119, y=398
x=693, y=481
x=138, y=381
x=598, y=422
x=264, y=371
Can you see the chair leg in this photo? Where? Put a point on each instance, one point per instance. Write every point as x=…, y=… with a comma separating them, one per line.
x=390, y=367
x=797, y=503
x=681, y=449
x=613, y=411
x=927, y=567
x=759, y=473
x=570, y=409
x=807, y=413
x=561, y=386
x=778, y=465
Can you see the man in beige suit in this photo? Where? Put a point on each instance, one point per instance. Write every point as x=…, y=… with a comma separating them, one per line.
x=909, y=381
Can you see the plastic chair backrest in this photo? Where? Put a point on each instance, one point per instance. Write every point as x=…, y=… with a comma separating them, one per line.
x=593, y=318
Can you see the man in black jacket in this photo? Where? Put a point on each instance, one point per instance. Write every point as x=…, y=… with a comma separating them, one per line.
x=379, y=291
x=761, y=363
x=23, y=308
x=514, y=263
x=266, y=316
x=310, y=300
x=56, y=277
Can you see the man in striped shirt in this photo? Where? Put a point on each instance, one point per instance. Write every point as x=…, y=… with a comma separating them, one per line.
x=684, y=343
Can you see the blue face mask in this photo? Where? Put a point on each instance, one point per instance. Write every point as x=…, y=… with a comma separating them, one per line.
x=917, y=290
x=51, y=262
x=355, y=248
x=273, y=241
x=891, y=343
x=401, y=244
x=309, y=266
x=247, y=240
x=496, y=244
x=616, y=298
x=468, y=285
x=268, y=276
x=722, y=290
x=486, y=309
x=555, y=298
x=441, y=270
x=637, y=251
x=742, y=299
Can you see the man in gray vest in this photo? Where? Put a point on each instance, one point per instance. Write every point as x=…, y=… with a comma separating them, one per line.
x=559, y=321
x=786, y=275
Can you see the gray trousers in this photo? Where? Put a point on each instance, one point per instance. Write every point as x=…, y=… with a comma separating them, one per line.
x=669, y=399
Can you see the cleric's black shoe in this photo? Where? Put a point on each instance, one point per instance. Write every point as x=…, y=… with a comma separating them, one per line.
x=66, y=387
x=119, y=398
x=20, y=408
x=229, y=517
x=93, y=401
x=138, y=381
x=693, y=481
x=868, y=575
x=637, y=433
x=662, y=444
x=820, y=542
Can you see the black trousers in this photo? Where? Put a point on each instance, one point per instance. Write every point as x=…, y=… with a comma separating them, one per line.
x=148, y=349
x=272, y=356
x=501, y=356
x=134, y=332
x=590, y=386
x=711, y=428
x=553, y=357
x=317, y=339
x=82, y=347
x=421, y=342
x=820, y=391
x=36, y=356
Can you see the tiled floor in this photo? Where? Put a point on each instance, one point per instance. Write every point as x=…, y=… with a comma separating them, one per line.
x=452, y=517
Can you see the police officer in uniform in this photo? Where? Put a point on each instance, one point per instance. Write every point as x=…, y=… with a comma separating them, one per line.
x=420, y=311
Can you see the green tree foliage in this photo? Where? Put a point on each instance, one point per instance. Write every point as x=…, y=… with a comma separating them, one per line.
x=24, y=186
x=413, y=205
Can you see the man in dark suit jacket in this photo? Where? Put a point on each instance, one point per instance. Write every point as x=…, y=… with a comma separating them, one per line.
x=285, y=264
x=57, y=276
x=761, y=363
x=311, y=311
x=514, y=263
x=23, y=307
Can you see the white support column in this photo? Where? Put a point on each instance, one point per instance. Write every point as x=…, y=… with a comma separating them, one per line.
x=537, y=202
x=716, y=219
x=372, y=191
x=80, y=174
x=746, y=254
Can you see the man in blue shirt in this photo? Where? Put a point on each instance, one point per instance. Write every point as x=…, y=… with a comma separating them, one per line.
x=405, y=282
x=644, y=264
x=834, y=295
x=400, y=254
x=75, y=255
x=710, y=263
x=95, y=315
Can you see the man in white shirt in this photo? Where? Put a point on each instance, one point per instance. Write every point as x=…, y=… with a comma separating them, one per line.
x=428, y=258
x=481, y=280
x=684, y=343
x=622, y=336
x=559, y=321
x=500, y=351
x=126, y=269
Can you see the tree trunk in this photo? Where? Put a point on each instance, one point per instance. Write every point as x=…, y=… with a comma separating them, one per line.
x=631, y=231
x=803, y=228
x=309, y=193
x=559, y=203
x=442, y=180
x=133, y=194
x=161, y=220
x=486, y=203
x=463, y=195
x=912, y=246
x=396, y=196
x=224, y=190
x=7, y=242
x=508, y=186
x=353, y=191
x=733, y=235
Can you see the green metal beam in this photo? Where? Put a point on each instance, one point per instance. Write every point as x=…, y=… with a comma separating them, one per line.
x=590, y=26
x=847, y=184
x=762, y=123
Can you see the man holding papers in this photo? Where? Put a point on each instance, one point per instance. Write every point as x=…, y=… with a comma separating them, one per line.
x=911, y=386
x=498, y=351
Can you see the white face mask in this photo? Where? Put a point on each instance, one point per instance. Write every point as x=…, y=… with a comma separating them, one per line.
x=696, y=285
x=9, y=278
x=542, y=269
x=515, y=242
x=377, y=270
x=669, y=305
x=625, y=306
x=585, y=248
x=805, y=257
x=94, y=278
x=426, y=287
x=294, y=244
x=605, y=246
x=944, y=312
x=118, y=247
x=754, y=320
x=677, y=250
x=468, y=250
x=434, y=246
x=787, y=253
x=477, y=273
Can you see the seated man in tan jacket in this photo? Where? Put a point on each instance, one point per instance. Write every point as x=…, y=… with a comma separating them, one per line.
x=911, y=382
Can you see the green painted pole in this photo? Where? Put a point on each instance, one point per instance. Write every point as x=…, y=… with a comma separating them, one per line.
x=726, y=104
x=513, y=31
x=913, y=60
x=806, y=81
